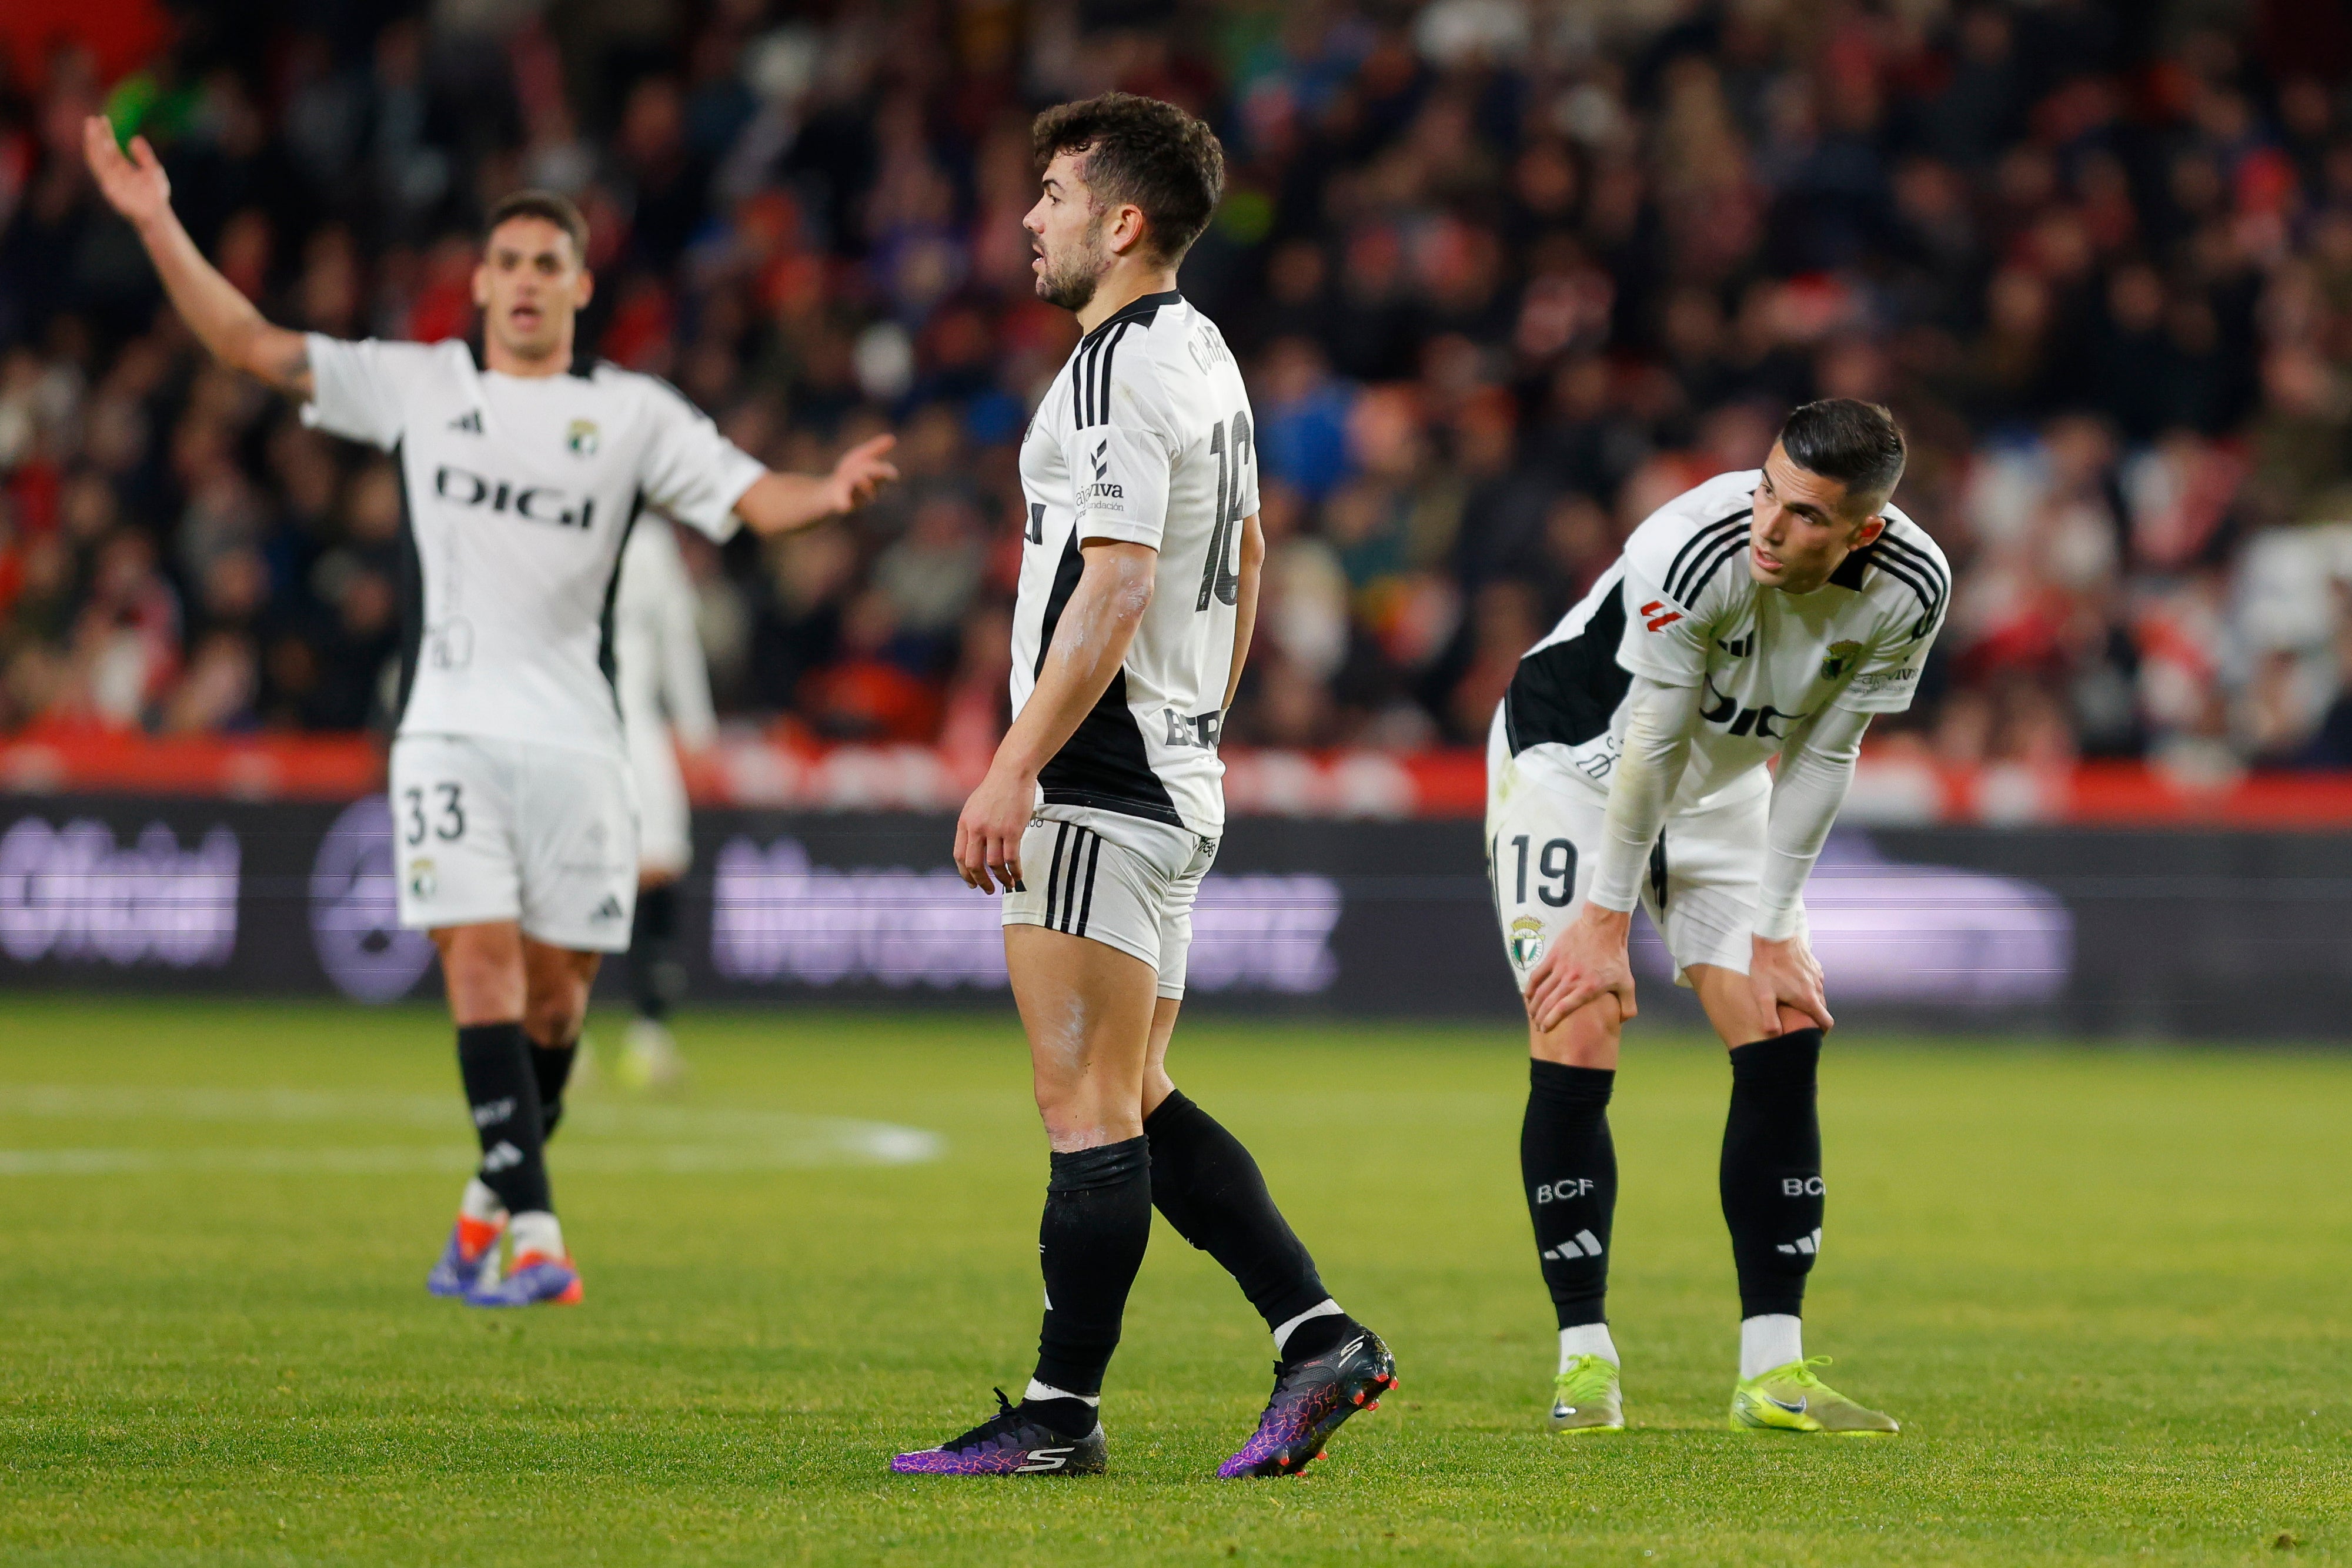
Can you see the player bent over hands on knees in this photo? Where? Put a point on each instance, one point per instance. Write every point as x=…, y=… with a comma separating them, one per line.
x=1768, y=613
x=511, y=797
x=1102, y=809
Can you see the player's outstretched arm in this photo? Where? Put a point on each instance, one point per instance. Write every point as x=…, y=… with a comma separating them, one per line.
x=223, y=320
x=1090, y=644
x=1589, y=960
x=779, y=502
x=1816, y=769
x=1253, y=567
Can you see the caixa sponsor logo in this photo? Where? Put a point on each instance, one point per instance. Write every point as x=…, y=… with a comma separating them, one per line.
x=778, y=920
x=77, y=894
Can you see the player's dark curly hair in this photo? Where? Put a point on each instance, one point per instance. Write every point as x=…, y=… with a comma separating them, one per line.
x=1142, y=150
x=548, y=206
x=1855, y=443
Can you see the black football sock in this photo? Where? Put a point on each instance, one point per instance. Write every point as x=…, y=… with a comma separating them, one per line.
x=656, y=978
x=493, y=1061
x=551, y=1064
x=1771, y=1176
x=1090, y=1243
x=1211, y=1191
x=1568, y=1164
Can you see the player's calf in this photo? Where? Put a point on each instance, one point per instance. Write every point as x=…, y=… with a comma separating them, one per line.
x=502, y=1090
x=1770, y=1177
x=1567, y=1163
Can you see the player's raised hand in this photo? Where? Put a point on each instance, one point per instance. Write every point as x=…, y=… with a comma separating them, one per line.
x=863, y=470
x=988, y=834
x=135, y=186
x=1786, y=976
x=1586, y=962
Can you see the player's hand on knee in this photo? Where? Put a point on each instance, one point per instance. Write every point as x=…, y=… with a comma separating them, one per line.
x=988, y=834
x=1786, y=975
x=1586, y=962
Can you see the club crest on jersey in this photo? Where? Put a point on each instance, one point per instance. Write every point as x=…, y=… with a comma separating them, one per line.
x=1839, y=658
x=422, y=882
x=1527, y=942
x=582, y=438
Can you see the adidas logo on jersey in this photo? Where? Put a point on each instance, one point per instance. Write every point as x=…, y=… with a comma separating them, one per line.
x=470, y=422
x=608, y=910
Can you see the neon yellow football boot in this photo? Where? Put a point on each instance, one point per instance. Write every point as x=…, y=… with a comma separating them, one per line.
x=1585, y=1398
x=1792, y=1399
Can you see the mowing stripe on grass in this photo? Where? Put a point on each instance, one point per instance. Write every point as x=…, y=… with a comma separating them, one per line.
x=609, y=1138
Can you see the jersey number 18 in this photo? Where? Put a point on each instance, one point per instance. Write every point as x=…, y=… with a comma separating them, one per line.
x=1224, y=533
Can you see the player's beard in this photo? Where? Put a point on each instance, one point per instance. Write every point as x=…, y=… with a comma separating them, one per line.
x=1071, y=282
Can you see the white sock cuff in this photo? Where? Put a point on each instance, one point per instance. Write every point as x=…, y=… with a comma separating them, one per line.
x=1037, y=1390
x=536, y=1230
x=1587, y=1339
x=1769, y=1340
x=1326, y=1308
x=480, y=1203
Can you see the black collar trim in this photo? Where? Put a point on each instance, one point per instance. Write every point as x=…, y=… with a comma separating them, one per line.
x=1141, y=308
x=1850, y=569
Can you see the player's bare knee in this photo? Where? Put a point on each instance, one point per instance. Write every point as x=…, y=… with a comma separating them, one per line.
x=556, y=1020
x=1587, y=1038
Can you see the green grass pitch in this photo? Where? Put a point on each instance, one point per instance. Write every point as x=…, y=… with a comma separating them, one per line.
x=2108, y=1292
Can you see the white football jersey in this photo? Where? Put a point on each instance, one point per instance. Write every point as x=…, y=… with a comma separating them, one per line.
x=1144, y=436
x=1680, y=606
x=664, y=683
x=519, y=492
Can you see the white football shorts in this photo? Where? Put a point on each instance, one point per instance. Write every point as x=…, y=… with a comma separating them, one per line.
x=485, y=828
x=1545, y=826
x=665, y=827
x=1121, y=880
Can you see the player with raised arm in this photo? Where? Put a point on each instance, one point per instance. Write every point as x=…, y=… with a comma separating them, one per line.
x=510, y=792
x=1102, y=809
x=1765, y=613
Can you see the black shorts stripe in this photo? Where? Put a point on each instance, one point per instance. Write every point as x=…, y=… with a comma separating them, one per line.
x=1696, y=546
x=1070, y=888
x=1087, y=899
x=1054, y=877
x=1658, y=872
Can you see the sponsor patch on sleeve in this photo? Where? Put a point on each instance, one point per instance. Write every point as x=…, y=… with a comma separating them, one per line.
x=1884, y=681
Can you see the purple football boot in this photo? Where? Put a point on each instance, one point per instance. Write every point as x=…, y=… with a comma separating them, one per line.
x=472, y=1244
x=1009, y=1444
x=536, y=1278
x=1310, y=1399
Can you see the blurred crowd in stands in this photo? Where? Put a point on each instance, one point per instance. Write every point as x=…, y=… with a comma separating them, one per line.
x=1506, y=274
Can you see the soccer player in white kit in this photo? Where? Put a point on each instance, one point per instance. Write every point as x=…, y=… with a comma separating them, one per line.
x=664, y=689
x=512, y=805
x=1765, y=613
x=1102, y=809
